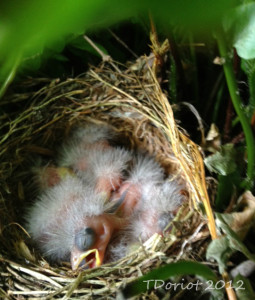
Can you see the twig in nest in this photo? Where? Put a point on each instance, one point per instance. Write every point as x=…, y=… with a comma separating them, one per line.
x=105, y=57
x=123, y=43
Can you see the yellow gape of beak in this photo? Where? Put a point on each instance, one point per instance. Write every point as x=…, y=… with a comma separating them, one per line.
x=83, y=255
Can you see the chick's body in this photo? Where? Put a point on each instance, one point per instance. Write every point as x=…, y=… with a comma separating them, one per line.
x=157, y=205
x=106, y=168
x=62, y=211
x=89, y=154
x=74, y=151
x=145, y=171
x=156, y=209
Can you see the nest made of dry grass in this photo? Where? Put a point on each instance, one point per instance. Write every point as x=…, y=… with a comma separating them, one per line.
x=130, y=99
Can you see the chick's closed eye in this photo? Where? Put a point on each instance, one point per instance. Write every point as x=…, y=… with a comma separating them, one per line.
x=85, y=238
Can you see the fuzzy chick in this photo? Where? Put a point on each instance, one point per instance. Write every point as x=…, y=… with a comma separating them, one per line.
x=90, y=155
x=106, y=168
x=145, y=171
x=73, y=153
x=70, y=222
x=156, y=208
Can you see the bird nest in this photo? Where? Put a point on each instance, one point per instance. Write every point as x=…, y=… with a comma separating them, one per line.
x=130, y=100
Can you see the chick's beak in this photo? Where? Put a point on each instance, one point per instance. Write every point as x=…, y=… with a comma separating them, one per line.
x=104, y=226
x=78, y=257
x=126, y=198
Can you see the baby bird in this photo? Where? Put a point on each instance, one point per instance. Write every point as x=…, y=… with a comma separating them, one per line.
x=92, y=158
x=106, y=168
x=145, y=171
x=156, y=209
x=69, y=221
x=84, y=139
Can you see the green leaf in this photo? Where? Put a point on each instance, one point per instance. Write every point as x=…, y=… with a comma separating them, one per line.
x=232, y=182
x=60, y=57
x=219, y=250
x=249, y=68
x=28, y=26
x=243, y=288
x=234, y=241
x=222, y=162
x=222, y=248
x=158, y=276
x=239, y=24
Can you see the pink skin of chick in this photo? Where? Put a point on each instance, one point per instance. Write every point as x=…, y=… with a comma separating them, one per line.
x=106, y=168
x=145, y=170
x=90, y=155
x=68, y=221
x=154, y=211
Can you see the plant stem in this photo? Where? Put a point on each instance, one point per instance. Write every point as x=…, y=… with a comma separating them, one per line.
x=237, y=103
x=9, y=76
